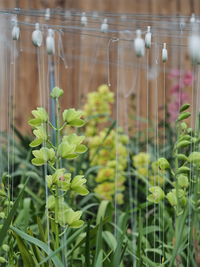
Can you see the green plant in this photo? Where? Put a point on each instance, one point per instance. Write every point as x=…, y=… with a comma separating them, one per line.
x=60, y=182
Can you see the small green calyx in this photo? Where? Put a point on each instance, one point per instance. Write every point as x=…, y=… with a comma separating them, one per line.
x=56, y=92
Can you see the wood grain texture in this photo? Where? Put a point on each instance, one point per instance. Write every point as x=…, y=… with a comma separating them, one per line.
x=81, y=61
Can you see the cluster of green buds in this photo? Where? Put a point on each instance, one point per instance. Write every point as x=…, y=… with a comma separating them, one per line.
x=60, y=181
x=98, y=108
x=186, y=169
x=153, y=172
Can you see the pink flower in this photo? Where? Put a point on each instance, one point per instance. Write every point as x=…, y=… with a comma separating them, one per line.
x=175, y=89
x=188, y=78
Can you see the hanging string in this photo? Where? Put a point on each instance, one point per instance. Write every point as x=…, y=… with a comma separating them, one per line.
x=112, y=40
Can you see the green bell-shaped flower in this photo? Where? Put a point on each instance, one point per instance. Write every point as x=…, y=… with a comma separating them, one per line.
x=59, y=179
x=70, y=218
x=183, y=180
x=163, y=164
x=43, y=156
x=40, y=116
x=41, y=136
x=78, y=185
x=157, y=194
x=73, y=117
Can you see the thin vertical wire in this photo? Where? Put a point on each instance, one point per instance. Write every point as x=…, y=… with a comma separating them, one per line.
x=147, y=137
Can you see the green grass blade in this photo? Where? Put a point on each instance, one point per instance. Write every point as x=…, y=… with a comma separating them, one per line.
x=39, y=244
x=11, y=214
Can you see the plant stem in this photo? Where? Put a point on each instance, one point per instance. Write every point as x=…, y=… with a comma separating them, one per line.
x=57, y=166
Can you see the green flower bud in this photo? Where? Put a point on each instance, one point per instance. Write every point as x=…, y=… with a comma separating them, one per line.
x=73, y=117
x=5, y=247
x=40, y=115
x=182, y=144
x=43, y=155
x=183, y=169
x=189, y=130
x=56, y=92
x=181, y=157
x=185, y=137
x=157, y=194
x=183, y=125
x=2, y=260
x=184, y=116
x=78, y=185
x=2, y=215
x=184, y=107
x=70, y=217
x=194, y=157
x=171, y=197
x=163, y=164
x=183, y=181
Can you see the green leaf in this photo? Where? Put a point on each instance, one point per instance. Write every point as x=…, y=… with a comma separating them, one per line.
x=99, y=261
x=26, y=256
x=36, y=142
x=99, y=244
x=11, y=214
x=103, y=210
x=39, y=244
x=56, y=92
x=110, y=240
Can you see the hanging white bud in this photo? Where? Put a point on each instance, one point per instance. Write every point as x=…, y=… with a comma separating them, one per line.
x=139, y=45
x=83, y=19
x=50, y=42
x=37, y=36
x=104, y=25
x=164, y=53
x=15, y=31
x=148, y=37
